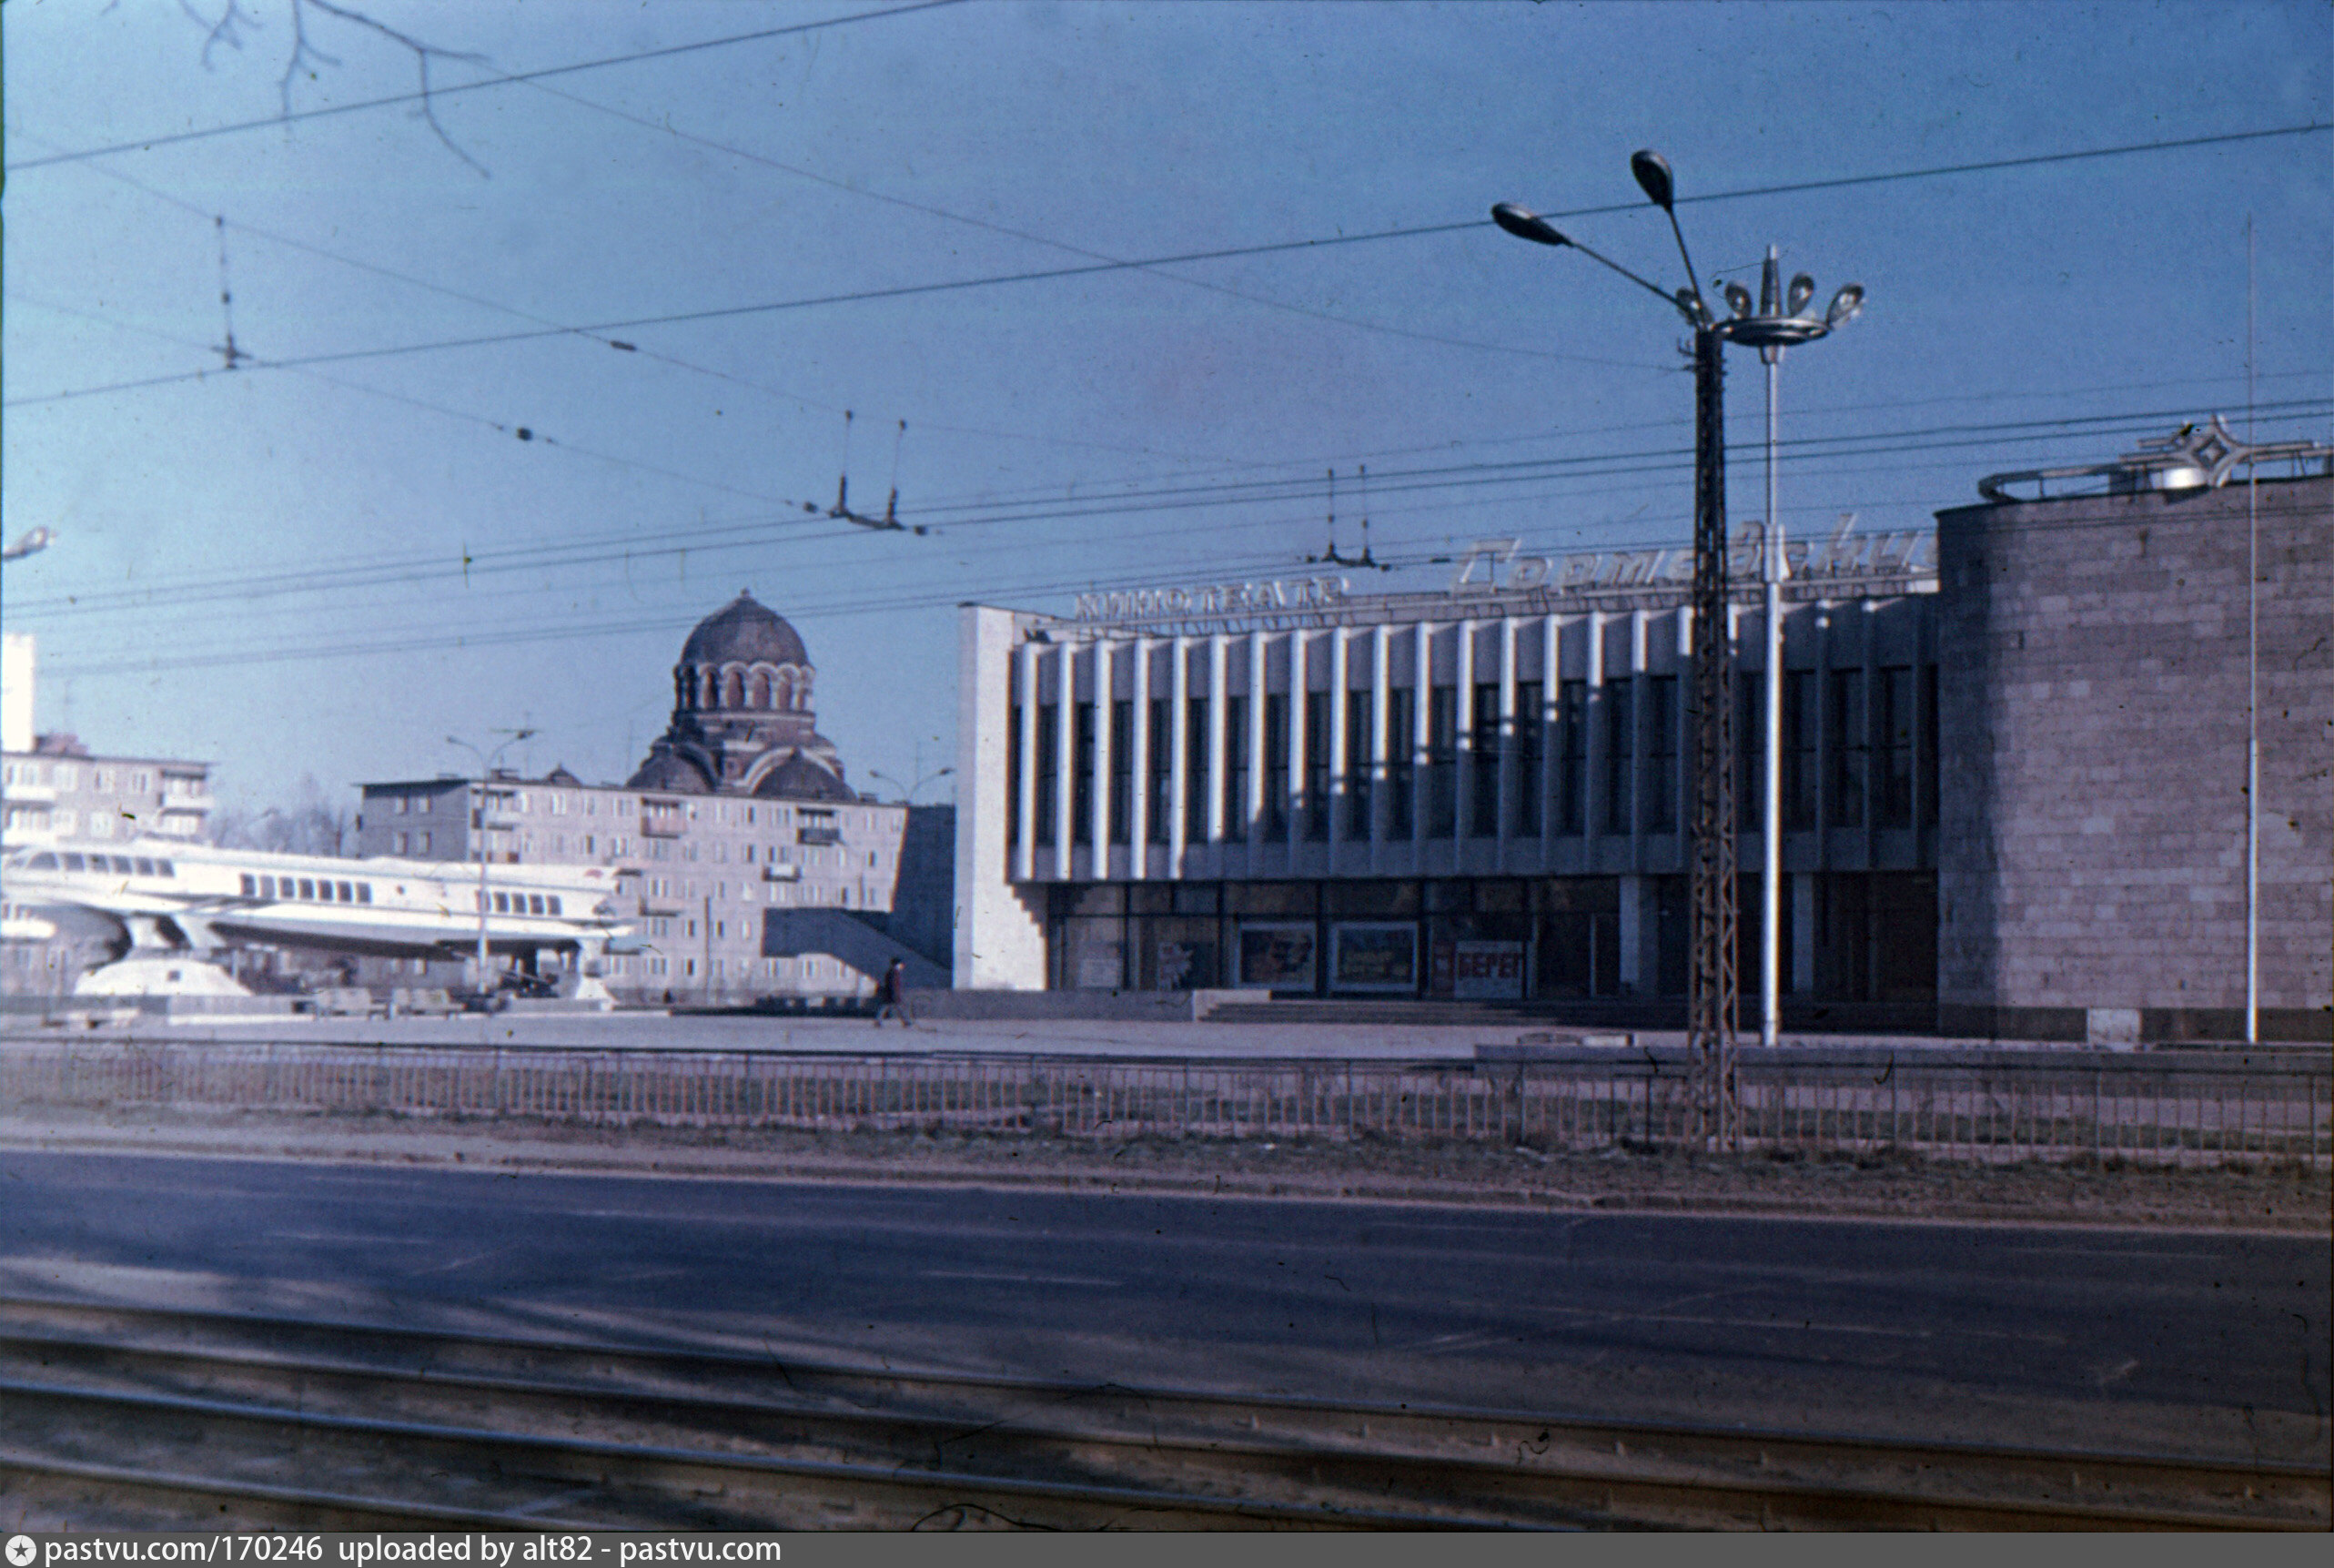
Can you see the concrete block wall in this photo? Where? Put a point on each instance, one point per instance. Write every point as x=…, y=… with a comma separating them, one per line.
x=2092, y=732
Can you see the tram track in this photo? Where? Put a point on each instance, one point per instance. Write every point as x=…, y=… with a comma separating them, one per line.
x=161, y=1414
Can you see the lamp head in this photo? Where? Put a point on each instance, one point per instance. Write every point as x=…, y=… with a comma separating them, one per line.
x=1803, y=290
x=1738, y=299
x=1525, y=224
x=1653, y=172
x=1846, y=305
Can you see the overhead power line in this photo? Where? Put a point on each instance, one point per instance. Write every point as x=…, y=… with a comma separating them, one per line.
x=174, y=138
x=1098, y=268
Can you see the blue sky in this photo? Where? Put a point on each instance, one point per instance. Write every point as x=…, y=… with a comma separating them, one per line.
x=328, y=567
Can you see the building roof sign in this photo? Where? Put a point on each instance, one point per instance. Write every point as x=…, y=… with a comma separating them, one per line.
x=1494, y=577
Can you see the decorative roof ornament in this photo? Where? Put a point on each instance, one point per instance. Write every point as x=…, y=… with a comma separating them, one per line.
x=2194, y=456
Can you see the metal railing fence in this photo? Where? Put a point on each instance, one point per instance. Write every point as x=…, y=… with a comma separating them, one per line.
x=2125, y=1108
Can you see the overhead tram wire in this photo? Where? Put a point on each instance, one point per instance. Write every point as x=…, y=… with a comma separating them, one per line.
x=1090, y=269
x=806, y=402
x=395, y=100
x=526, y=433
x=1270, y=561
x=649, y=353
x=1469, y=477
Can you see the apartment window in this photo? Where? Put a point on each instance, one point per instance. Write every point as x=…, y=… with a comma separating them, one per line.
x=1236, y=769
x=400, y=844
x=1317, y=765
x=1894, y=722
x=1359, y=765
x=1013, y=775
x=1849, y=745
x=1082, y=774
x=1194, y=769
x=1402, y=761
x=1161, y=785
x=1122, y=770
x=1662, y=753
x=1048, y=770
x=1529, y=738
x=1442, y=761
x=1276, y=767
x=1483, y=818
x=425, y=844
x=1620, y=753
x=1573, y=751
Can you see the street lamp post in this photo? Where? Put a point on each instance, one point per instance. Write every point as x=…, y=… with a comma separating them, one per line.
x=1777, y=322
x=907, y=791
x=1712, y=985
x=487, y=763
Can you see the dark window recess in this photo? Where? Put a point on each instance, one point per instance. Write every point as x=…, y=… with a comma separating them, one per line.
x=1483, y=804
x=1401, y=761
x=1800, y=759
x=1573, y=742
x=1194, y=769
x=1162, y=760
x=1895, y=724
x=1235, y=770
x=1442, y=761
x=1276, y=767
x=1620, y=751
x=1122, y=770
x=1662, y=753
x=1358, y=778
x=1749, y=748
x=1049, y=771
x=1844, y=729
x=1082, y=774
x=1317, y=765
x=1531, y=734
x=1928, y=760
x=1012, y=775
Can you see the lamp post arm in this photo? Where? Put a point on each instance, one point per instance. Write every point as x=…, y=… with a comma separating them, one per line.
x=1655, y=290
x=1690, y=278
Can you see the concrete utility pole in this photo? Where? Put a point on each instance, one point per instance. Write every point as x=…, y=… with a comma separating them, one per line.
x=1713, y=991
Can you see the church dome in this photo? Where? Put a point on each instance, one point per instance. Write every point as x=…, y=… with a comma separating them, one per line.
x=804, y=777
x=744, y=632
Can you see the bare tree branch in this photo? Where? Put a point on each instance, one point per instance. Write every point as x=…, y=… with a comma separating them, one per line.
x=423, y=53
x=226, y=30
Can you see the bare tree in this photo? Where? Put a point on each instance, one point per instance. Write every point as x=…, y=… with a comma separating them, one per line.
x=235, y=23
x=311, y=824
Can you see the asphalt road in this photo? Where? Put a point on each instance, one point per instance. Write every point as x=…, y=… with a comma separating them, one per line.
x=2189, y=1341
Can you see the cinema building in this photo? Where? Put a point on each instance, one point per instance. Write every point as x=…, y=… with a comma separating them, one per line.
x=1478, y=793
x=1483, y=793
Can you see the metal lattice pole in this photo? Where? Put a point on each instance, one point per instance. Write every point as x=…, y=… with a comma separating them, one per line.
x=1713, y=985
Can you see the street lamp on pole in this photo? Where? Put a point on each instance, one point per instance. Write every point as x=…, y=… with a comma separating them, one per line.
x=1712, y=987
x=487, y=763
x=907, y=791
x=1775, y=323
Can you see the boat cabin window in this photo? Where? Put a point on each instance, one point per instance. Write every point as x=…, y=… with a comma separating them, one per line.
x=502, y=904
x=554, y=902
x=72, y=863
x=307, y=888
x=44, y=863
x=166, y=868
x=364, y=893
x=250, y=885
x=144, y=867
x=348, y=893
x=534, y=903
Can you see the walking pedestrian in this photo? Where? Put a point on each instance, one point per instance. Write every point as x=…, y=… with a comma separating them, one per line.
x=890, y=996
